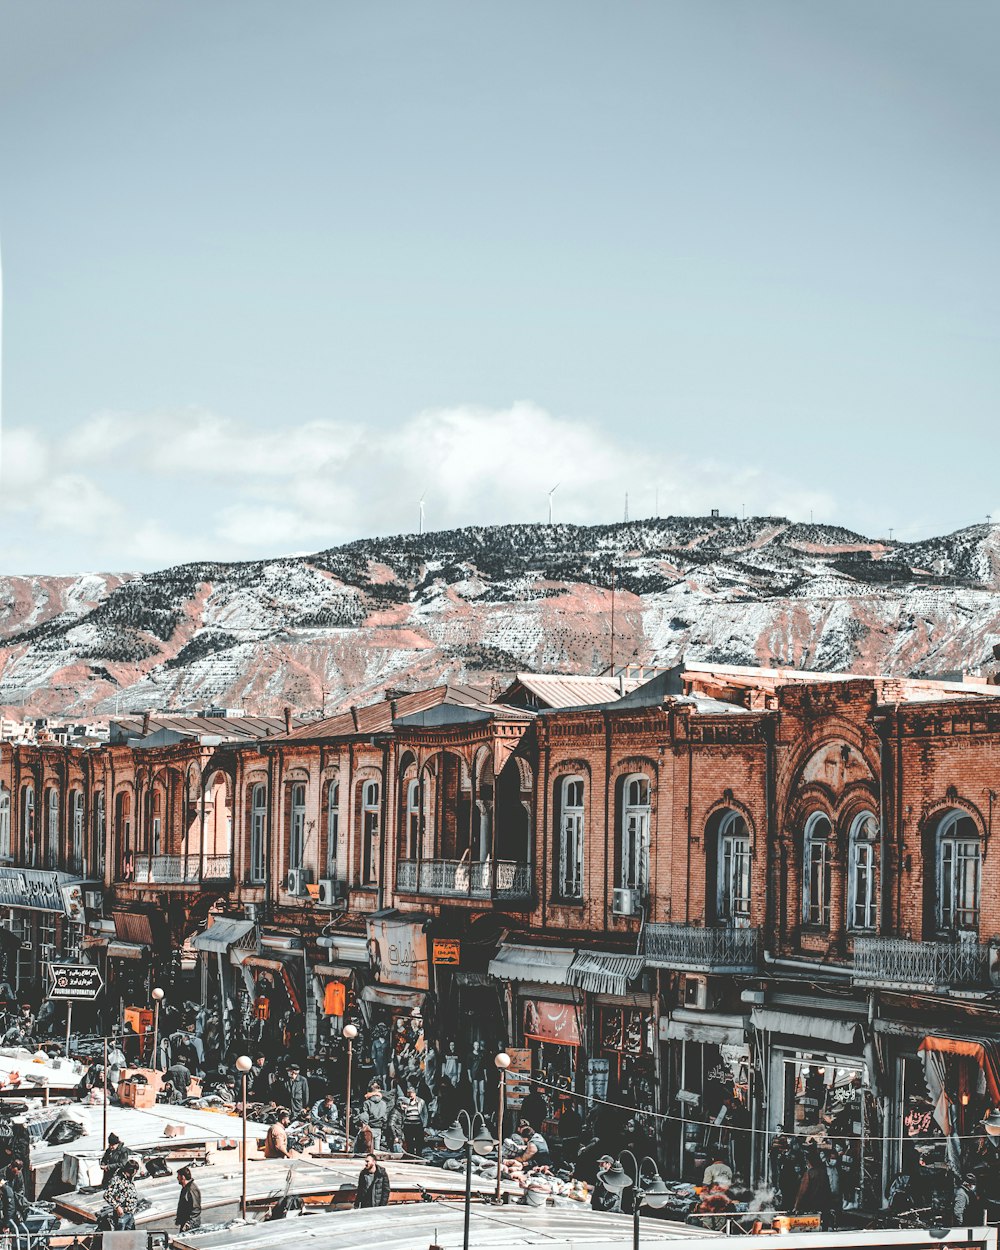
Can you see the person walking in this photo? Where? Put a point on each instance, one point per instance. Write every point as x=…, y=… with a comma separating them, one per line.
x=376, y=1108
x=373, y=1185
x=414, y=1111
x=123, y=1198
x=188, y=1216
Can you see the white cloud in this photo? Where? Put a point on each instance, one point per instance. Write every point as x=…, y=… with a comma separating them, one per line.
x=212, y=486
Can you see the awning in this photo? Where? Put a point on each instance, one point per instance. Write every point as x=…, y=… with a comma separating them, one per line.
x=345, y=948
x=817, y=1028
x=393, y=996
x=548, y=965
x=701, y=1026
x=600, y=972
x=983, y=1052
x=222, y=934
x=333, y=972
x=127, y=950
x=270, y=963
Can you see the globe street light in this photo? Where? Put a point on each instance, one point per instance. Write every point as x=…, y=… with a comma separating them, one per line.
x=502, y=1062
x=157, y=999
x=652, y=1193
x=350, y=1032
x=474, y=1136
x=243, y=1066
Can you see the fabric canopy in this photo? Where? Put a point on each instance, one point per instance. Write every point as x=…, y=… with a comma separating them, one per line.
x=601, y=972
x=819, y=1028
x=717, y=1029
x=127, y=950
x=983, y=1052
x=393, y=996
x=222, y=934
x=270, y=963
x=548, y=965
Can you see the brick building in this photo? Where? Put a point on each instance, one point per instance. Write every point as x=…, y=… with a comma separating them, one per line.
x=744, y=899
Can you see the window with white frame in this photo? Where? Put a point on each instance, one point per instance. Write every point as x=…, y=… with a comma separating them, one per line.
x=733, y=886
x=5, y=847
x=76, y=828
x=332, y=826
x=52, y=827
x=569, y=882
x=862, y=888
x=258, y=833
x=370, y=829
x=816, y=871
x=29, y=842
x=634, y=832
x=297, y=826
x=156, y=818
x=412, y=820
x=959, y=856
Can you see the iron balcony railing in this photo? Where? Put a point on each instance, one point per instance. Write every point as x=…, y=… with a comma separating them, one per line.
x=455, y=878
x=691, y=948
x=903, y=964
x=182, y=870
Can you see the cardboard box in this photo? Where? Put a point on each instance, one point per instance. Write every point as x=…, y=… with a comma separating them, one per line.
x=131, y=1094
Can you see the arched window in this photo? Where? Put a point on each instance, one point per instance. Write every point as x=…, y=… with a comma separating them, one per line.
x=332, y=826
x=51, y=827
x=258, y=833
x=76, y=829
x=569, y=867
x=297, y=826
x=156, y=820
x=29, y=841
x=411, y=819
x=733, y=877
x=100, y=832
x=4, y=823
x=816, y=871
x=370, y=828
x=958, y=873
x=634, y=832
x=862, y=891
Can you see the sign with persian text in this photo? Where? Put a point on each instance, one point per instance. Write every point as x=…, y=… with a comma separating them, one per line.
x=75, y=983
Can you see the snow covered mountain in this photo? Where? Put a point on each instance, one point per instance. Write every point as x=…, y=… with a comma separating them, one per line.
x=479, y=603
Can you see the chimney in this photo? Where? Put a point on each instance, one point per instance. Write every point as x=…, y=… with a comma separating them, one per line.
x=354, y=715
x=145, y=724
x=288, y=720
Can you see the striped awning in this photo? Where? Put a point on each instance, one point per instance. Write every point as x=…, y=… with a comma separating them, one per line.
x=601, y=972
x=222, y=934
x=545, y=965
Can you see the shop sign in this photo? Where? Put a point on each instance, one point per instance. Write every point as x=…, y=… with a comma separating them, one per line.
x=398, y=951
x=551, y=1022
x=516, y=1084
x=447, y=951
x=31, y=889
x=81, y=983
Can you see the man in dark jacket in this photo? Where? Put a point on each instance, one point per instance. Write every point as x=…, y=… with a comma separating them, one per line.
x=814, y=1196
x=115, y=1157
x=14, y=1205
x=295, y=1093
x=604, y=1199
x=373, y=1185
x=188, y=1216
x=179, y=1076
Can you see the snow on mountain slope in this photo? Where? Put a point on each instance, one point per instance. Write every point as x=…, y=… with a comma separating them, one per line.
x=478, y=603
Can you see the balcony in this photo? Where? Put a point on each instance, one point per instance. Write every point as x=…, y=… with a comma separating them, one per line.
x=181, y=870
x=690, y=948
x=898, y=963
x=454, y=878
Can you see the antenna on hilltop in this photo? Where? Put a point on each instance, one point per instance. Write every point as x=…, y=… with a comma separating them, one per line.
x=551, y=493
x=420, y=505
x=626, y=507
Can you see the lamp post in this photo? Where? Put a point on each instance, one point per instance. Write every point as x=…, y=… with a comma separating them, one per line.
x=243, y=1065
x=502, y=1062
x=157, y=999
x=651, y=1194
x=350, y=1032
x=474, y=1136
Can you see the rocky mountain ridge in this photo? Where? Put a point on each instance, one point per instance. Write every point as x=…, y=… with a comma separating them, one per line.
x=476, y=604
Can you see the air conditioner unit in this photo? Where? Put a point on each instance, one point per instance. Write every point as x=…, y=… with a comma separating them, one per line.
x=329, y=891
x=250, y=911
x=297, y=880
x=694, y=992
x=93, y=900
x=625, y=902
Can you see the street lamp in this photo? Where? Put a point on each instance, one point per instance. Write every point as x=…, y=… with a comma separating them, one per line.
x=350, y=1032
x=651, y=1194
x=243, y=1065
x=474, y=1136
x=157, y=999
x=502, y=1062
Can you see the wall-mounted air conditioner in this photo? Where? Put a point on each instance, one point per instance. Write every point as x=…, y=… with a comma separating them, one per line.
x=329, y=891
x=625, y=902
x=694, y=991
x=250, y=911
x=297, y=880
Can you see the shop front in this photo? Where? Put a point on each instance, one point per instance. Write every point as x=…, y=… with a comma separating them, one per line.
x=621, y=1028
x=397, y=1008
x=44, y=916
x=222, y=990
x=548, y=1014
x=272, y=999
x=338, y=977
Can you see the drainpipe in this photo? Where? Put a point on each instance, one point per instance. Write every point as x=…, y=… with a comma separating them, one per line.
x=775, y=961
x=546, y=833
x=900, y=849
x=770, y=832
x=269, y=835
x=380, y=900
x=608, y=863
x=690, y=803
x=885, y=772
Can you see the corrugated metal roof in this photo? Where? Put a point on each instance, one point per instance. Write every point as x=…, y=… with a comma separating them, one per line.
x=568, y=690
x=233, y=727
x=376, y=718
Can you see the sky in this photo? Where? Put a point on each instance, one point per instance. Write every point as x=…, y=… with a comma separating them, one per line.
x=274, y=272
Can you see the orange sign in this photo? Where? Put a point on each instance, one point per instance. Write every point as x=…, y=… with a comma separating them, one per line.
x=447, y=951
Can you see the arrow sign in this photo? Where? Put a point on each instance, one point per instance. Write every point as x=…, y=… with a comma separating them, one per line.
x=75, y=983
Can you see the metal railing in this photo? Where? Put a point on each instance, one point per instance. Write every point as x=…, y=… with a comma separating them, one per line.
x=690, y=948
x=912, y=965
x=456, y=878
x=182, y=870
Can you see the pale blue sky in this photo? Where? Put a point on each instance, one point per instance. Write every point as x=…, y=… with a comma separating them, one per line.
x=272, y=270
